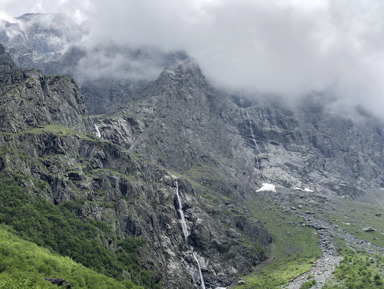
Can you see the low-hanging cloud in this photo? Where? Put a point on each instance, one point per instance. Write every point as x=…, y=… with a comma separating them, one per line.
x=285, y=47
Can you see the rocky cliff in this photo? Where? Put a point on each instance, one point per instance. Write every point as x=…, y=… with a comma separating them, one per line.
x=180, y=122
x=166, y=150
x=30, y=100
x=48, y=147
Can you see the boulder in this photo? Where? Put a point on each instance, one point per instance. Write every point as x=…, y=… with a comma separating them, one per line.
x=369, y=229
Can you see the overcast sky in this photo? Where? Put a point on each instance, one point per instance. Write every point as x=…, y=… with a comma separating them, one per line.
x=288, y=47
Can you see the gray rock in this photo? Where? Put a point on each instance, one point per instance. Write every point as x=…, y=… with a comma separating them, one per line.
x=369, y=229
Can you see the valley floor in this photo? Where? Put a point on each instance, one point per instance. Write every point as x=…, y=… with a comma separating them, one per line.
x=344, y=228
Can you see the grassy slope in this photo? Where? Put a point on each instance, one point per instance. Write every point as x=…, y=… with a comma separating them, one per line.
x=294, y=250
x=295, y=246
x=57, y=227
x=358, y=269
x=23, y=264
x=353, y=216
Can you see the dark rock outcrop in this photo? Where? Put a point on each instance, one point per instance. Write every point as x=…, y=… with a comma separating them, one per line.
x=59, y=282
x=369, y=229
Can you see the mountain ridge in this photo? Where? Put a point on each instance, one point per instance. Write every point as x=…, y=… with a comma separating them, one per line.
x=240, y=164
x=132, y=196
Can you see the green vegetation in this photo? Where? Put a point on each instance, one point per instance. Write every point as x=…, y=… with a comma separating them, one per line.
x=308, y=284
x=208, y=182
x=353, y=216
x=201, y=172
x=55, y=129
x=294, y=251
x=25, y=265
x=358, y=270
x=57, y=228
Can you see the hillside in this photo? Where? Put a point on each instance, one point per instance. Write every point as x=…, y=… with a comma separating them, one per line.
x=172, y=182
x=110, y=201
x=30, y=265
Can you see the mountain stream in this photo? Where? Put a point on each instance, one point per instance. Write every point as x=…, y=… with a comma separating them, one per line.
x=185, y=232
x=258, y=152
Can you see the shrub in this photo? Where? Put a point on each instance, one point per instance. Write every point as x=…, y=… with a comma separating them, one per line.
x=56, y=227
x=308, y=284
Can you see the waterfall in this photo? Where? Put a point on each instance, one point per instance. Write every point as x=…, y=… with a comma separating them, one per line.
x=254, y=140
x=98, y=134
x=185, y=232
x=181, y=213
x=198, y=267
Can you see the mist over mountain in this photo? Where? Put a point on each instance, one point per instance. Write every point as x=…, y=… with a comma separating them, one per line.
x=192, y=145
x=286, y=48
x=55, y=44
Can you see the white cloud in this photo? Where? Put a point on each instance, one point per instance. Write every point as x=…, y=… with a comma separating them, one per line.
x=287, y=47
x=77, y=10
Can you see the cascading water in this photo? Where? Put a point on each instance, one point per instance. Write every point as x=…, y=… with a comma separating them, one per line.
x=254, y=140
x=98, y=134
x=198, y=267
x=185, y=232
x=181, y=213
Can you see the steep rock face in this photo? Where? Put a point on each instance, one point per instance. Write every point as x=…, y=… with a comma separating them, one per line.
x=181, y=123
x=138, y=199
x=45, y=138
x=29, y=99
x=317, y=149
x=176, y=115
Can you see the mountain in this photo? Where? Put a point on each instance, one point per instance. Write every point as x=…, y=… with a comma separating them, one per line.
x=108, y=74
x=44, y=117
x=171, y=182
x=191, y=124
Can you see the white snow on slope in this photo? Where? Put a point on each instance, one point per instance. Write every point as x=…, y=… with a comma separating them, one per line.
x=267, y=187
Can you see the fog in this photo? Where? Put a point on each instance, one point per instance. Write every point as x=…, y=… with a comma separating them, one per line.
x=285, y=47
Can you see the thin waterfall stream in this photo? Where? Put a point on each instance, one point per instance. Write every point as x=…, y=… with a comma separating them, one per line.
x=198, y=267
x=254, y=140
x=185, y=232
x=98, y=134
x=181, y=213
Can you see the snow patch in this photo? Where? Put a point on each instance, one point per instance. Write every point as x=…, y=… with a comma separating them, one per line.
x=267, y=187
x=303, y=190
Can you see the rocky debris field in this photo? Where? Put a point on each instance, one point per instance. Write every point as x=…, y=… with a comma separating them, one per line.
x=316, y=210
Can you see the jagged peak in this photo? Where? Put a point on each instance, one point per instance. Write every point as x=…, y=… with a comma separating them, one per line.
x=183, y=66
x=187, y=70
